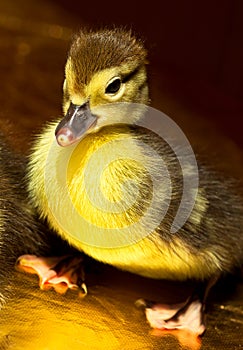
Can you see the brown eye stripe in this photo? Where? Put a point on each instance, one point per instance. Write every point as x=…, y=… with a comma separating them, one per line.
x=130, y=75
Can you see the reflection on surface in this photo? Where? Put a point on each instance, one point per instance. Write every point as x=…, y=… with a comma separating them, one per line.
x=105, y=319
x=185, y=339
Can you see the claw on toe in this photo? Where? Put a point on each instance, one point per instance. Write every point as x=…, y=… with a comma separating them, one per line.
x=60, y=273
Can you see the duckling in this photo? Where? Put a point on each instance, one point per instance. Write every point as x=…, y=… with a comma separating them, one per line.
x=93, y=175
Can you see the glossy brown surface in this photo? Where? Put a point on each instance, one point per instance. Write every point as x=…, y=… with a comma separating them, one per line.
x=34, y=38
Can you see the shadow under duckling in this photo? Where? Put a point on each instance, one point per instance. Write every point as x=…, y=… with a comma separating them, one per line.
x=89, y=177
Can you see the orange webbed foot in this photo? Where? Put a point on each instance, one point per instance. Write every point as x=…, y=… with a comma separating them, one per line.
x=61, y=273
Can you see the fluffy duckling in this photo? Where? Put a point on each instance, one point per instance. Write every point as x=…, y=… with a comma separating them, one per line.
x=90, y=177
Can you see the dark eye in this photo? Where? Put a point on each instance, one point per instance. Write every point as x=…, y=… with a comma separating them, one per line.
x=114, y=86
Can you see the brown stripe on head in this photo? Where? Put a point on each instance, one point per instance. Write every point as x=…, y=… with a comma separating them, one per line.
x=94, y=51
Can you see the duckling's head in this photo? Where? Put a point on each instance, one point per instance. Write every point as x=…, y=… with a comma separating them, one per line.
x=103, y=67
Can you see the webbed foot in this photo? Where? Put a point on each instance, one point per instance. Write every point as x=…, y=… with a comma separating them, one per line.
x=187, y=316
x=61, y=273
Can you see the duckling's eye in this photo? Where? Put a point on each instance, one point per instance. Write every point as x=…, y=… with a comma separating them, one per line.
x=113, y=86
